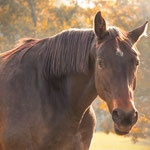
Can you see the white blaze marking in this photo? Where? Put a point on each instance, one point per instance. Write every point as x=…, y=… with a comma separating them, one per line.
x=119, y=52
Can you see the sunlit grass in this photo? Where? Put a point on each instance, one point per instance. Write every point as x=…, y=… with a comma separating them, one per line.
x=103, y=141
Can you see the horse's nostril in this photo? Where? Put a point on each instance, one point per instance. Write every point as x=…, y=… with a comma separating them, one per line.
x=130, y=118
x=117, y=115
x=123, y=118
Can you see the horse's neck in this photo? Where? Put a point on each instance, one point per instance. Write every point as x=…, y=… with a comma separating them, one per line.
x=82, y=94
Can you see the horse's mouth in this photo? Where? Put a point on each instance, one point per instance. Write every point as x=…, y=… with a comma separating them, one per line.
x=120, y=132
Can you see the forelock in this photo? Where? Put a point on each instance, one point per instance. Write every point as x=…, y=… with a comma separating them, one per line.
x=120, y=35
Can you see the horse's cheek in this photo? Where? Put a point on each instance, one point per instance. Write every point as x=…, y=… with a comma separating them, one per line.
x=98, y=84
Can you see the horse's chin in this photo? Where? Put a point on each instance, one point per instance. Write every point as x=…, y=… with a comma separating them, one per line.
x=119, y=131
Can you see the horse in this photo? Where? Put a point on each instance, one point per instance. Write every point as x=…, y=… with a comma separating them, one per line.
x=47, y=87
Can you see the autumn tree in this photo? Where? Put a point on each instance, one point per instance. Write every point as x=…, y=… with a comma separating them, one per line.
x=34, y=18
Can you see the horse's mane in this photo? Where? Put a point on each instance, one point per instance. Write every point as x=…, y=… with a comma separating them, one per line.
x=64, y=53
x=68, y=52
x=23, y=45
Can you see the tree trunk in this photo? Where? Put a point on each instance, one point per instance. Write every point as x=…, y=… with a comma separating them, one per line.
x=33, y=15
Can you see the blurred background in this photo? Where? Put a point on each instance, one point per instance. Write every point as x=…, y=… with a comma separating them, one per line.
x=44, y=18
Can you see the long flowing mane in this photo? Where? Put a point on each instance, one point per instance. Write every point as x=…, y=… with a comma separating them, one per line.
x=64, y=53
x=68, y=52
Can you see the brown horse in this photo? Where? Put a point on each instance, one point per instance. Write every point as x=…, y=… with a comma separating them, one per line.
x=47, y=87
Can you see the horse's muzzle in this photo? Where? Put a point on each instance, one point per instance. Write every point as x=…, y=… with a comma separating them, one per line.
x=124, y=121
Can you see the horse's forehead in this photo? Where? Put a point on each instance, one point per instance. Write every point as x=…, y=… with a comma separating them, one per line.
x=120, y=48
x=117, y=51
x=111, y=47
x=125, y=49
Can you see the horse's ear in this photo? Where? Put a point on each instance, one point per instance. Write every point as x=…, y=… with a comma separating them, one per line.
x=137, y=33
x=99, y=25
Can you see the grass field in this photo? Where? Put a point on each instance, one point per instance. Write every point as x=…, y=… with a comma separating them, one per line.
x=103, y=141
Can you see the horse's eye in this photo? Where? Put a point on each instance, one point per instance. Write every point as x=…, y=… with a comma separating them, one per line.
x=137, y=62
x=101, y=64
